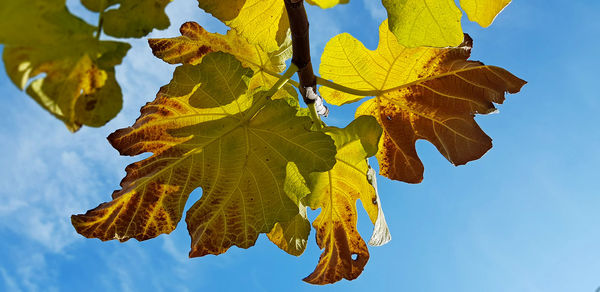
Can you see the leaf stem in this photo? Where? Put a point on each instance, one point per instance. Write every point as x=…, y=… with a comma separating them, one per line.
x=358, y=92
x=342, y=88
x=100, y=19
x=330, y=84
x=314, y=116
x=283, y=79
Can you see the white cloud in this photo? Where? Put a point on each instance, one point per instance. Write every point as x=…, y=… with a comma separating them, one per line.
x=49, y=174
x=29, y=273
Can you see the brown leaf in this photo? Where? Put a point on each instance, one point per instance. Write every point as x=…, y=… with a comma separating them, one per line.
x=420, y=93
x=336, y=191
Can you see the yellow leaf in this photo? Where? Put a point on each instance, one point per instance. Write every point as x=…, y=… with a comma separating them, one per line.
x=335, y=192
x=261, y=22
x=420, y=93
x=417, y=23
x=436, y=23
x=234, y=143
x=79, y=86
x=327, y=3
x=195, y=42
x=483, y=11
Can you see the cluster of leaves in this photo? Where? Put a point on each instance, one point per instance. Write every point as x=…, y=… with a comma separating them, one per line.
x=60, y=60
x=230, y=123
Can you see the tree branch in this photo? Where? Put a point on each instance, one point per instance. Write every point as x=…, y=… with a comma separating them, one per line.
x=301, y=45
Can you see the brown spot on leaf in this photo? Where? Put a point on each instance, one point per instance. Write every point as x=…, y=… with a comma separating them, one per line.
x=203, y=50
x=91, y=104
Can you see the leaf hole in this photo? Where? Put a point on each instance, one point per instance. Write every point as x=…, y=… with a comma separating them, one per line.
x=354, y=256
x=389, y=118
x=374, y=201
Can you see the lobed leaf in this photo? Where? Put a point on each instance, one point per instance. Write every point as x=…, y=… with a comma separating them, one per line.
x=420, y=93
x=195, y=42
x=335, y=192
x=79, y=86
x=233, y=143
x=130, y=18
x=436, y=23
x=260, y=22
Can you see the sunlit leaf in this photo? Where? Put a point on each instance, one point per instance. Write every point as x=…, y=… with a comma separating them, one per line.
x=195, y=42
x=483, y=11
x=234, y=144
x=79, y=85
x=327, y=3
x=130, y=18
x=291, y=236
x=436, y=23
x=420, y=93
x=261, y=22
x=335, y=192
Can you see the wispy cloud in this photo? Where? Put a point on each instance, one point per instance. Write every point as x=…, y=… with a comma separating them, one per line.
x=9, y=282
x=176, y=252
x=49, y=174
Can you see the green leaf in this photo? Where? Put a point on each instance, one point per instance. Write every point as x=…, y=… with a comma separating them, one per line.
x=335, y=192
x=79, y=86
x=436, y=23
x=291, y=236
x=132, y=18
x=238, y=151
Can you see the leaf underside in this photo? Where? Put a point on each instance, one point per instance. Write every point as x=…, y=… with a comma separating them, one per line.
x=236, y=149
x=79, y=86
x=131, y=18
x=195, y=42
x=419, y=93
x=335, y=192
x=260, y=160
x=436, y=23
x=260, y=22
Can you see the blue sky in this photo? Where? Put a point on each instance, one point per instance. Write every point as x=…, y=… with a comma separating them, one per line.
x=522, y=218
